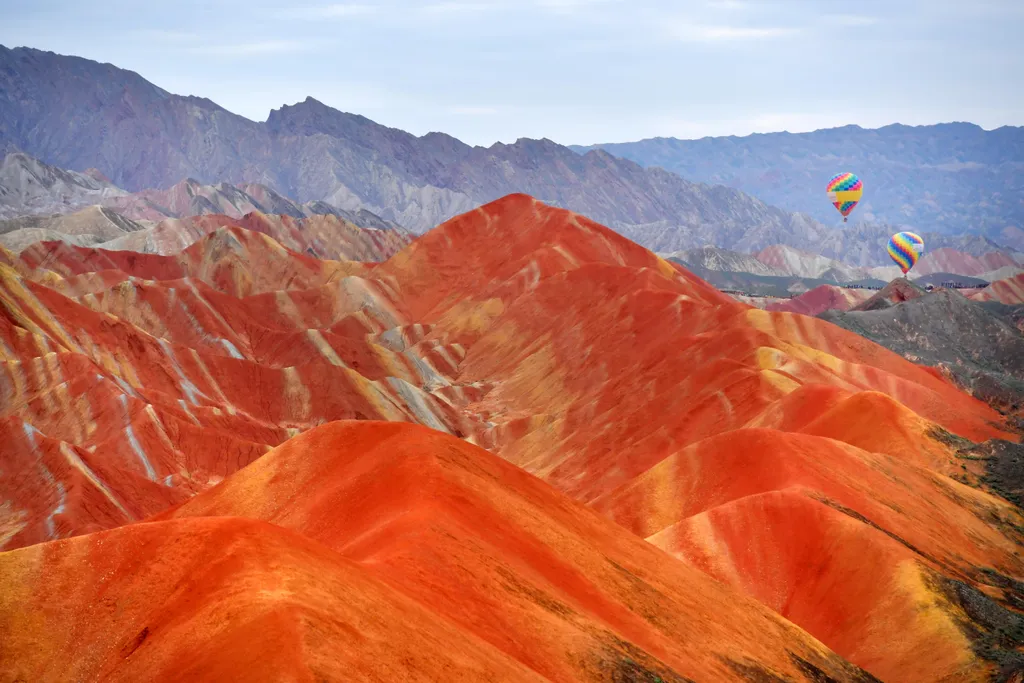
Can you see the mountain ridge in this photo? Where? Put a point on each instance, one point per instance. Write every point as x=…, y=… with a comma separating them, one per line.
x=313, y=153
x=948, y=177
x=731, y=438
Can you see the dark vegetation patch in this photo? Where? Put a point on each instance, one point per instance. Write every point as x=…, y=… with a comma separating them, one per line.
x=845, y=672
x=1013, y=590
x=514, y=584
x=623, y=662
x=861, y=518
x=755, y=673
x=948, y=438
x=1004, y=470
x=1003, y=462
x=851, y=673
x=996, y=634
x=651, y=602
x=1015, y=424
x=1004, y=467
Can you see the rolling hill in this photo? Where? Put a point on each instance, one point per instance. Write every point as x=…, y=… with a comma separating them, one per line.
x=28, y=187
x=329, y=236
x=227, y=431
x=38, y=195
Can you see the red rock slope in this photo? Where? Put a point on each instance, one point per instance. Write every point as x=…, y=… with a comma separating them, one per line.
x=797, y=463
x=392, y=552
x=1008, y=291
x=946, y=260
x=322, y=236
x=821, y=299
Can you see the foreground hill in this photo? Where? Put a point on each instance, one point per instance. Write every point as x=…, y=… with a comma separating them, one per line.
x=742, y=442
x=393, y=551
x=952, y=177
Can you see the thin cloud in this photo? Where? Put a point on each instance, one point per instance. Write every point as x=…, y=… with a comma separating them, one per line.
x=335, y=11
x=259, y=47
x=165, y=36
x=851, y=20
x=724, y=33
x=473, y=111
x=552, y=6
x=570, y=6
x=458, y=7
x=728, y=4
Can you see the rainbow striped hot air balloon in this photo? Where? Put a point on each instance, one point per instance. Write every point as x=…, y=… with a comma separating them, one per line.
x=845, y=190
x=905, y=249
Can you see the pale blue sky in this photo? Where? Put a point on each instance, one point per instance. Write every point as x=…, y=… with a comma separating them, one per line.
x=575, y=71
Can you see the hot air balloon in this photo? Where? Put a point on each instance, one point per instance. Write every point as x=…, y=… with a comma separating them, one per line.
x=845, y=190
x=905, y=249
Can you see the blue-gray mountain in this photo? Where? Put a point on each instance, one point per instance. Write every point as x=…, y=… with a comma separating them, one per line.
x=78, y=114
x=75, y=113
x=950, y=178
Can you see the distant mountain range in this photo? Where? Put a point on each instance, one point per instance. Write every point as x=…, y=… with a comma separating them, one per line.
x=800, y=270
x=128, y=136
x=75, y=113
x=35, y=192
x=949, y=178
x=29, y=187
x=48, y=204
x=330, y=236
x=85, y=209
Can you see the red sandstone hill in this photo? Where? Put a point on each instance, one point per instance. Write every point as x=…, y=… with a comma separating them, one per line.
x=1007, y=291
x=821, y=299
x=946, y=260
x=819, y=477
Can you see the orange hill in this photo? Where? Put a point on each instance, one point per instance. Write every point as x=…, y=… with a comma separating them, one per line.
x=1008, y=291
x=822, y=298
x=746, y=443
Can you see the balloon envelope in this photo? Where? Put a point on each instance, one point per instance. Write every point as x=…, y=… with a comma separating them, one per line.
x=905, y=249
x=845, y=190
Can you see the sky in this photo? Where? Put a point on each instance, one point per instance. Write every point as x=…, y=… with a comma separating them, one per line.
x=574, y=71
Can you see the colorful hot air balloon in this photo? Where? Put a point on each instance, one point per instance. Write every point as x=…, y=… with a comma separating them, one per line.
x=905, y=249
x=845, y=190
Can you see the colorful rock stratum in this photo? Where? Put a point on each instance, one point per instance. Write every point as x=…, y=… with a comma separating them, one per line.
x=522, y=448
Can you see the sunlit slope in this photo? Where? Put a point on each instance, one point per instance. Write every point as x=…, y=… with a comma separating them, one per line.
x=220, y=599
x=603, y=365
x=741, y=441
x=502, y=555
x=139, y=383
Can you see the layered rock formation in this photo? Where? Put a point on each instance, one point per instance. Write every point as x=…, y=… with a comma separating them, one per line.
x=826, y=482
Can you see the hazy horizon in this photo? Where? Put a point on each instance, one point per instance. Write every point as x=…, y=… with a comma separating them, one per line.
x=574, y=71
